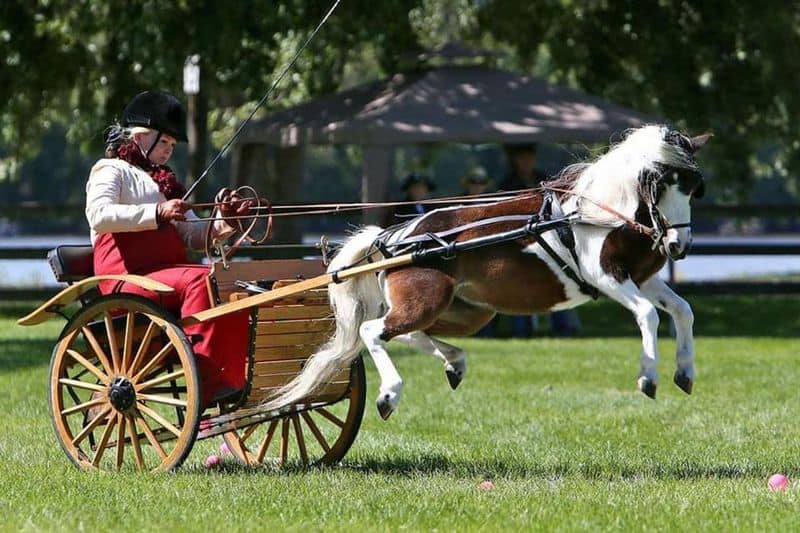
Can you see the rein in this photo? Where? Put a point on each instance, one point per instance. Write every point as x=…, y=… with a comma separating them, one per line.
x=636, y=226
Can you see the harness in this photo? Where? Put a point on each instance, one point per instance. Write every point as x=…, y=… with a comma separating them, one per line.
x=551, y=210
x=550, y=217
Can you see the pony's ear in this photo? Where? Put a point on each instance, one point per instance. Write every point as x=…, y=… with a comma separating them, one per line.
x=700, y=191
x=699, y=141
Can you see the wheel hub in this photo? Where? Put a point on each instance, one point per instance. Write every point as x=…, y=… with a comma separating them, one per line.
x=122, y=394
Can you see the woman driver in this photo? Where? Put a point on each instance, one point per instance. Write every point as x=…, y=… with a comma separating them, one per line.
x=140, y=225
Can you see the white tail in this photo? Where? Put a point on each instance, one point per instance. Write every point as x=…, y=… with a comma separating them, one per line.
x=354, y=301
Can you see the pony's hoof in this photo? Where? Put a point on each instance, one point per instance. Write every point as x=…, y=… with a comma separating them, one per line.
x=647, y=387
x=453, y=378
x=385, y=409
x=683, y=382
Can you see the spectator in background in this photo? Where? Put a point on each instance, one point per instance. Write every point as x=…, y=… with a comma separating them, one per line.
x=476, y=181
x=417, y=187
x=524, y=175
x=522, y=172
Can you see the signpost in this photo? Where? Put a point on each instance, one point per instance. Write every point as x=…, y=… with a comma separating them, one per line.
x=196, y=118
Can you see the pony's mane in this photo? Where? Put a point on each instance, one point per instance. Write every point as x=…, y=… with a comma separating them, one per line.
x=613, y=178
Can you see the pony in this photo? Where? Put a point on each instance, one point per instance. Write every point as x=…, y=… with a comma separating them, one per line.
x=628, y=211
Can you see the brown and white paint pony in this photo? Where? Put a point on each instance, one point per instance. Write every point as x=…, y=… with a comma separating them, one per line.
x=649, y=179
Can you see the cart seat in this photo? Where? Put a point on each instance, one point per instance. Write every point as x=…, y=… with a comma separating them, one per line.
x=71, y=263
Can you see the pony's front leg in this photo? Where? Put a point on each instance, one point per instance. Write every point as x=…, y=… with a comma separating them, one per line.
x=661, y=295
x=629, y=295
x=391, y=387
x=453, y=358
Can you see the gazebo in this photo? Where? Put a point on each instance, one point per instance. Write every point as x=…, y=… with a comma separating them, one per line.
x=465, y=103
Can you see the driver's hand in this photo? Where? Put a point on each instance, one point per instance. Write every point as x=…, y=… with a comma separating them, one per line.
x=172, y=210
x=232, y=205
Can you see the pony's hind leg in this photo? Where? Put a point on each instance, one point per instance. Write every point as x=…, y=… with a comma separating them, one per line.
x=453, y=358
x=391, y=386
x=663, y=297
x=416, y=297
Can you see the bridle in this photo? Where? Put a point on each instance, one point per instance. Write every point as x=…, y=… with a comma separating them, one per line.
x=660, y=223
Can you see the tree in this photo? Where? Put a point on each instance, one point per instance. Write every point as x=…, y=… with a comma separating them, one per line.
x=728, y=68
x=80, y=62
x=704, y=66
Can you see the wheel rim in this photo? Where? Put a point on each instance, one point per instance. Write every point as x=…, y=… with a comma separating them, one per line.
x=123, y=387
x=320, y=436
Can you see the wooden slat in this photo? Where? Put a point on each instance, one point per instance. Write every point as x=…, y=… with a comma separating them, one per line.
x=313, y=297
x=267, y=373
x=292, y=339
x=283, y=352
x=292, y=312
x=274, y=269
x=272, y=327
x=330, y=392
x=279, y=366
x=281, y=378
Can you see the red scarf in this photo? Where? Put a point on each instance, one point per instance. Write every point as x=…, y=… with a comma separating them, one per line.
x=167, y=182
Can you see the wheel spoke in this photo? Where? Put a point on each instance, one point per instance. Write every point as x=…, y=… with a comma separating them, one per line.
x=91, y=425
x=330, y=416
x=143, y=346
x=249, y=432
x=152, y=363
x=112, y=340
x=83, y=406
x=301, y=442
x=127, y=346
x=315, y=430
x=101, y=446
x=284, y=442
x=159, y=380
x=150, y=436
x=160, y=419
x=120, y=440
x=162, y=399
x=98, y=350
x=262, y=450
x=81, y=384
x=137, y=449
x=99, y=374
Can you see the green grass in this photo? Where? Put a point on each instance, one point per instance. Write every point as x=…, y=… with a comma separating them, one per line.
x=555, y=424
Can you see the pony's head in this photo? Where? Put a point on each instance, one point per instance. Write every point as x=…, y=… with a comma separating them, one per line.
x=654, y=167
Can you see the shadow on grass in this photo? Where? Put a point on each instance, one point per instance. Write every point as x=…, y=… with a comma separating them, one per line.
x=432, y=465
x=496, y=469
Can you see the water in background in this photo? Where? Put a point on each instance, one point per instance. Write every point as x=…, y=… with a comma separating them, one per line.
x=36, y=273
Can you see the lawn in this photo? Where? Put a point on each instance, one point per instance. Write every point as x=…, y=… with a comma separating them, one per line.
x=555, y=424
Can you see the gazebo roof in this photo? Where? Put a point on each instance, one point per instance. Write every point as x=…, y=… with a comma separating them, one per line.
x=451, y=103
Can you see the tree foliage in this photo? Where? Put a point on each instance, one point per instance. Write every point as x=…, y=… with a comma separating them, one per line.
x=724, y=67
x=728, y=68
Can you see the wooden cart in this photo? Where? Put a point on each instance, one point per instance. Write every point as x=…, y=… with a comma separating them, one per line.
x=124, y=386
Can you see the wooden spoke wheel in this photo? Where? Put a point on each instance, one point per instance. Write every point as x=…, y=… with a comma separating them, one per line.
x=124, y=388
x=319, y=436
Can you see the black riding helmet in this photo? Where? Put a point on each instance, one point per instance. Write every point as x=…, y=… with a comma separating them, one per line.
x=156, y=110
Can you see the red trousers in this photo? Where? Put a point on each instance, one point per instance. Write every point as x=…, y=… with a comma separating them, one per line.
x=220, y=346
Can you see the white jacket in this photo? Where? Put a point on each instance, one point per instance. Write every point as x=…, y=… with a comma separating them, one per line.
x=121, y=197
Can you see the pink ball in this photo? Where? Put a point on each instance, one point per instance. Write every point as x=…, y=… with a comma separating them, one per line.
x=778, y=482
x=486, y=485
x=213, y=461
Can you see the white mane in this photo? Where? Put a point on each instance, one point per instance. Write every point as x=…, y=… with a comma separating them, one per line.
x=613, y=179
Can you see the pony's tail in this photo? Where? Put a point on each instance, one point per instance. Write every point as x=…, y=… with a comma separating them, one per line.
x=354, y=301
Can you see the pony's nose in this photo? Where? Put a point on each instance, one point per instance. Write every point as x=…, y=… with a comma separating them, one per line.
x=675, y=250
